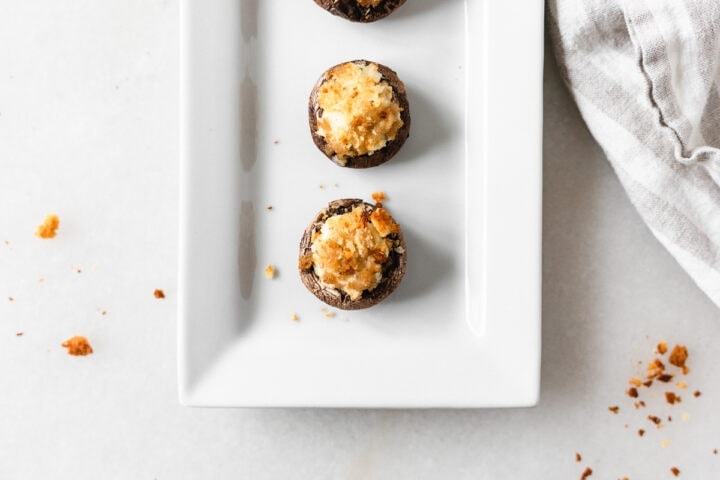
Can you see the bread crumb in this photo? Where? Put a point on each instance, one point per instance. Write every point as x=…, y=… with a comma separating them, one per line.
x=269, y=207
x=636, y=382
x=276, y=142
x=697, y=393
x=19, y=334
x=665, y=378
x=675, y=471
x=104, y=312
x=655, y=369
x=330, y=314
x=685, y=416
x=294, y=317
x=578, y=457
x=11, y=299
x=632, y=392
x=379, y=197
x=614, y=409
x=641, y=432
x=78, y=345
x=654, y=419
x=322, y=187
x=158, y=293
x=48, y=228
x=681, y=385
x=41, y=280
x=662, y=348
x=665, y=443
x=714, y=451
x=671, y=398
x=678, y=356
x=588, y=471
x=270, y=272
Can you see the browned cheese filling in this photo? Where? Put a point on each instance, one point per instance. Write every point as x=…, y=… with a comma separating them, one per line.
x=349, y=251
x=359, y=115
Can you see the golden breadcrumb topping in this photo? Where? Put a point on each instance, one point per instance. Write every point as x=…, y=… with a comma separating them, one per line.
x=350, y=249
x=359, y=115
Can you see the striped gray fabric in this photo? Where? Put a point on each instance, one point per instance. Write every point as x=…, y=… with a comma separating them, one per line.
x=646, y=77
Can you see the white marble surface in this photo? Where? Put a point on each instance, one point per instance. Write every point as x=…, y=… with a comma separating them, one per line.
x=89, y=129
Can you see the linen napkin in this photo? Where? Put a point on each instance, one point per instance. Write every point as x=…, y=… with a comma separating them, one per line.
x=646, y=77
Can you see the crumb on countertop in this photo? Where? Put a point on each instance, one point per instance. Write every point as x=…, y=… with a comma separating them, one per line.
x=632, y=392
x=158, y=293
x=379, y=197
x=665, y=443
x=662, y=348
x=679, y=356
x=671, y=398
x=675, y=471
x=330, y=314
x=614, y=409
x=19, y=334
x=48, y=228
x=78, y=345
x=586, y=473
x=641, y=432
x=11, y=299
x=294, y=317
x=269, y=207
x=697, y=393
x=270, y=272
x=655, y=369
x=578, y=457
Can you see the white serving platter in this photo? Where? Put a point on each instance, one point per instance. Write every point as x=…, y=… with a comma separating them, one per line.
x=463, y=328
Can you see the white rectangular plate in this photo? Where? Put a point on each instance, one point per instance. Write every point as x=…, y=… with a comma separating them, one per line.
x=463, y=328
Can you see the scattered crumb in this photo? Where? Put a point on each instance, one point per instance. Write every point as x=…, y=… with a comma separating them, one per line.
x=41, y=280
x=269, y=207
x=578, y=457
x=158, y=293
x=78, y=346
x=276, y=142
x=665, y=377
x=614, y=409
x=322, y=187
x=654, y=419
x=655, y=369
x=270, y=272
x=697, y=393
x=632, y=392
x=586, y=473
x=669, y=418
x=714, y=451
x=642, y=403
x=685, y=416
x=636, y=382
x=678, y=356
x=79, y=270
x=48, y=229
x=626, y=426
x=379, y=197
x=294, y=317
x=665, y=443
x=19, y=334
x=641, y=432
x=675, y=471
x=662, y=348
x=671, y=398
x=681, y=385
x=11, y=299
x=330, y=314
x=104, y=312
x=648, y=383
